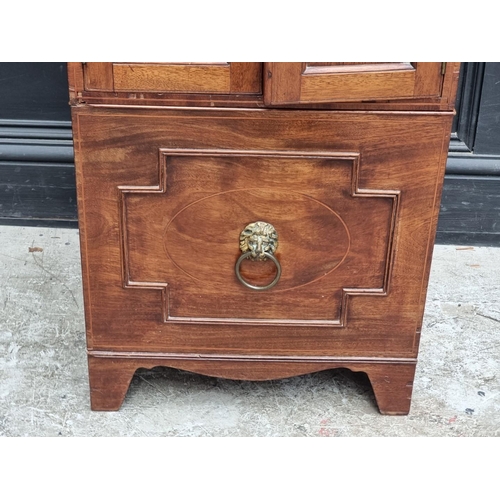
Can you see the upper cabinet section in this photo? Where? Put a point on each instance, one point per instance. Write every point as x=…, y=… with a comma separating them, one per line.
x=327, y=85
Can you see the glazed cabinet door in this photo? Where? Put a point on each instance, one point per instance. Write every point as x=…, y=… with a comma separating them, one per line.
x=320, y=82
x=193, y=77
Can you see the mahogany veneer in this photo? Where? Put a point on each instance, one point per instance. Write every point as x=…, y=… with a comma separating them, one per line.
x=165, y=191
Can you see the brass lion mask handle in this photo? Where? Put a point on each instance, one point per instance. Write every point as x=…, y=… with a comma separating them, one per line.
x=258, y=241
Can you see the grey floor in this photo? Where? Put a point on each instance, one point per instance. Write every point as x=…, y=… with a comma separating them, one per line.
x=43, y=371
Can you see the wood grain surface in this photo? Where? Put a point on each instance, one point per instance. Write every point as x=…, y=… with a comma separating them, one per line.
x=218, y=78
x=164, y=192
x=110, y=376
x=120, y=151
x=293, y=83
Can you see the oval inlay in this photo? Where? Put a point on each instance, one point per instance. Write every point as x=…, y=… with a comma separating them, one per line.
x=203, y=238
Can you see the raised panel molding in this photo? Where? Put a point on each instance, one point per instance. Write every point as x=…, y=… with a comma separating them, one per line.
x=161, y=189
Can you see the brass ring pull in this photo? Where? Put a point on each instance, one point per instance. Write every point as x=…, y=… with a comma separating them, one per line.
x=247, y=255
x=258, y=241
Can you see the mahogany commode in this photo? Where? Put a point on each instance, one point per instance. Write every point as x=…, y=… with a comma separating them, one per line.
x=258, y=220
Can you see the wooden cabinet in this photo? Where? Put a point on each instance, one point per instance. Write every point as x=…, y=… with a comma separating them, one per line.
x=249, y=234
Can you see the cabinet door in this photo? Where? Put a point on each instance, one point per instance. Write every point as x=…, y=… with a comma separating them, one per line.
x=213, y=78
x=289, y=83
x=166, y=193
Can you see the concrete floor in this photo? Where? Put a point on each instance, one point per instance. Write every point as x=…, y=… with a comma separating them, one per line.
x=43, y=370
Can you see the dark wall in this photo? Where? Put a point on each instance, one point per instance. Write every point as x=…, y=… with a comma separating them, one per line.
x=487, y=141
x=470, y=206
x=37, y=179
x=37, y=184
x=34, y=91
